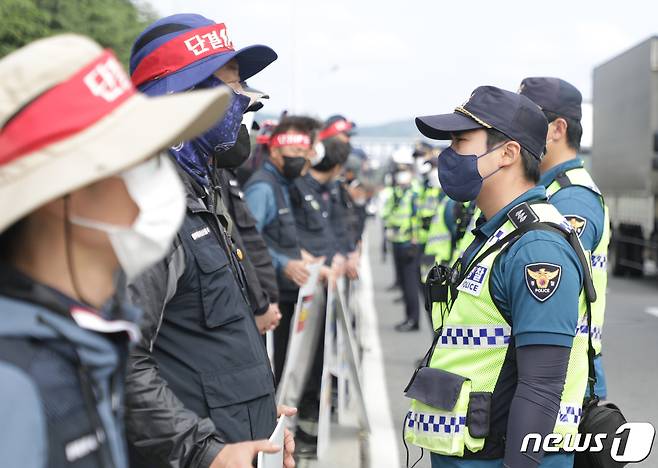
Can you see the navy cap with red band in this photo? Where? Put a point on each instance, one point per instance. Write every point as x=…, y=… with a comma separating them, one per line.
x=514, y=115
x=177, y=52
x=554, y=95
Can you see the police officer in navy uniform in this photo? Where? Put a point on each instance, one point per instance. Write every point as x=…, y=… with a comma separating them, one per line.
x=200, y=380
x=571, y=189
x=518, y=285
x=84, y=204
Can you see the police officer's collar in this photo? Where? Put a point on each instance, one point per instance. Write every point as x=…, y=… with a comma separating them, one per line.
x=489, y=227
x=549, y=176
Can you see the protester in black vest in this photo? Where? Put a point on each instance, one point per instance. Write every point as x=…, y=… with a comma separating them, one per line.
x=84, y=203
x=261, y=276
x=200, y=380
x=268, y=196
x=311, y=199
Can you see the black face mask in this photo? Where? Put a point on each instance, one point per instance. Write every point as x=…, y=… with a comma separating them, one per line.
x=236, y=155
x=293, y=166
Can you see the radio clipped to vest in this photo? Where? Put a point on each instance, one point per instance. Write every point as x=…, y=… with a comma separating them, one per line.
x=439, y=280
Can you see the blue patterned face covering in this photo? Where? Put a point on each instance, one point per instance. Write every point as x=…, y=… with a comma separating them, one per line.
x=195, y=156
x=223, y=135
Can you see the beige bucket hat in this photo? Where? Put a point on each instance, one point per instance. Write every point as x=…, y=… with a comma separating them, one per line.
x=69, y=116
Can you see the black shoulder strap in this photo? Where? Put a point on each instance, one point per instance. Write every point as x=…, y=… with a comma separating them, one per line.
x=563, y=179
x=570, y=236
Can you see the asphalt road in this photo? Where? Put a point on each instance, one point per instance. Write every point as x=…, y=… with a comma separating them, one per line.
x=630, y=346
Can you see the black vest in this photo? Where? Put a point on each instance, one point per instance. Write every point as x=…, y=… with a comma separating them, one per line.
x=343, y=218
x=261, y=277
x=208, y=348
x=281, y=234
x=311, y=208
x=68, y=404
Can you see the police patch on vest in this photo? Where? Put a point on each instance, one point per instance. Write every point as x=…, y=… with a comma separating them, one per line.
x=472, y=284
x=542, y=279
x=577, y=223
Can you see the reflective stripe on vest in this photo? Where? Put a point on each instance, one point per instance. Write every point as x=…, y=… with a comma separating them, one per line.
x=473, y=344
x=580, y=177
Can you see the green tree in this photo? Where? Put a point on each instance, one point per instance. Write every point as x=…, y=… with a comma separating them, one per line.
x=112, y=23
x=22, y=22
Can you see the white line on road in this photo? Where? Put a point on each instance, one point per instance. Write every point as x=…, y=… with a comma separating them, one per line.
x=383, y=445
x=652, y=311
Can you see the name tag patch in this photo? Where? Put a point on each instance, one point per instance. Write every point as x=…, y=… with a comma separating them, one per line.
x=200, y=233
x=473, y=283
x=80, y=448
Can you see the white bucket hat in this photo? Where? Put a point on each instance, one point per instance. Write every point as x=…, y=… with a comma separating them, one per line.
x=69, y=116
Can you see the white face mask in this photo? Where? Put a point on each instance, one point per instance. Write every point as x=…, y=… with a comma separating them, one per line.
x=433, y=178
x=158, y=192
x=403, y=177
x=319, y=154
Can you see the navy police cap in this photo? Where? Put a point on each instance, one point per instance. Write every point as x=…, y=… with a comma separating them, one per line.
x=554, y=95
x=510, y=113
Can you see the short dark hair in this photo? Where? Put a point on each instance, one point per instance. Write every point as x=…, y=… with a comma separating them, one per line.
x=300, y=123
x=336, y=153
x=574, y=129
x=530, y=163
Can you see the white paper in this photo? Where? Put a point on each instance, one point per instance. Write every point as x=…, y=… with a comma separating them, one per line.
x=312, y=281
x=303, y=336
x=274, y=460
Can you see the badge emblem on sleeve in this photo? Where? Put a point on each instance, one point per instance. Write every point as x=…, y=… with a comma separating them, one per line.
x=542, y=279
x=578, y=223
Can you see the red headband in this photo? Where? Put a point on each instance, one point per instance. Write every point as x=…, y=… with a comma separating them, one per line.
x=263, y=139
x=182, y=51
x=335, y=128
x=290, y=139
x=68, y=108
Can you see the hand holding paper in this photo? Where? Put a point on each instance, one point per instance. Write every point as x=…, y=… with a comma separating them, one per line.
x=278, y=438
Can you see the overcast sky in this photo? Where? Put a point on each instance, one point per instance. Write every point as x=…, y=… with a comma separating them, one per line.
x=381, y=60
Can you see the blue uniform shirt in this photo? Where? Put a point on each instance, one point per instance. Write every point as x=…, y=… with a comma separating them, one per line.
x=262, y=203
x=552, y=322
x=582, y=202
x=579, y=201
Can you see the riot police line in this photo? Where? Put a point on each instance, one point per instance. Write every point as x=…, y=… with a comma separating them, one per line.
x=140, y=272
